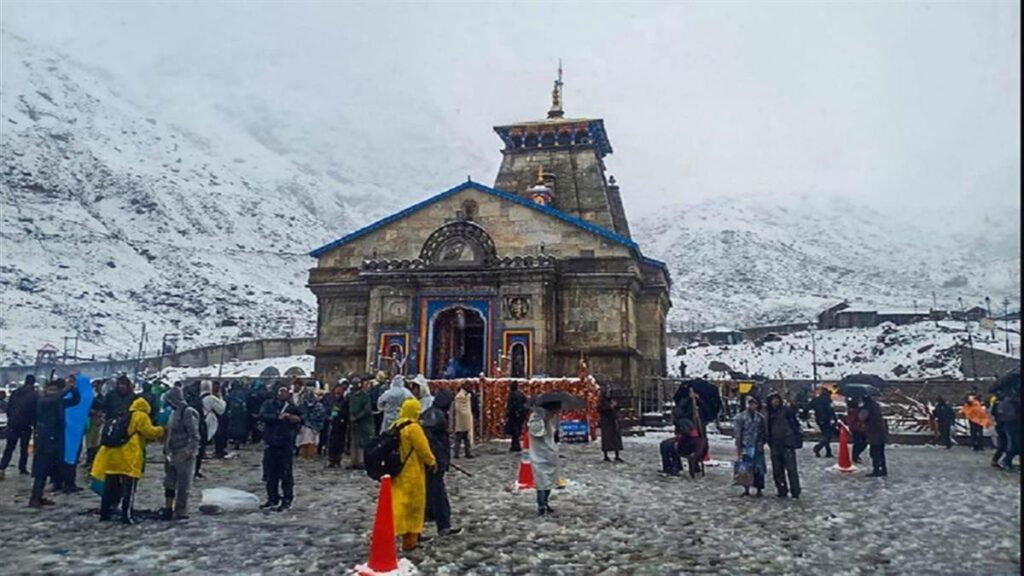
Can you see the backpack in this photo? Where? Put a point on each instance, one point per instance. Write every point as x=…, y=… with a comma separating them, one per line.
x=178, y=434
x=383, y=456
x=115, y=431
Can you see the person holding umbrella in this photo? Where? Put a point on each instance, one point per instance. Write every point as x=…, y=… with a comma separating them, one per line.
x=541, y=426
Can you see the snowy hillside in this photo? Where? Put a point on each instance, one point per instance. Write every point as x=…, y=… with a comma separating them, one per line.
x=117, y=212
x=748, y=260
x=188, y=201
x=921, y=350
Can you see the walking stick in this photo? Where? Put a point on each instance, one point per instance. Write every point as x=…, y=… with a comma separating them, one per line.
x=460, y=469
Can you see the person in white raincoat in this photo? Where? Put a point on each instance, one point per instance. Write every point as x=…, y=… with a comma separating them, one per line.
x=390, y=402
x=541, y=426
x=425, y=397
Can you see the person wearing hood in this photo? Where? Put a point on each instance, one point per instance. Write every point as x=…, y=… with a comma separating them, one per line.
x=409, y=487
x=541, y=426
x=120, y=467
x=361, y=419
x=337, y=429
x=944, y=416
x=516, y=413
x=49, y=436
x=463, y=420
x=94, y=434
x=784, y=438
x=421, y=391
x=281, y=420
x=21, y=419
x=435, y=425
x=750, y=431
x=181, y=444
x=390, y=402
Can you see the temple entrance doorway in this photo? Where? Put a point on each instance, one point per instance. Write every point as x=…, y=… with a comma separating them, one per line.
x=458, y=344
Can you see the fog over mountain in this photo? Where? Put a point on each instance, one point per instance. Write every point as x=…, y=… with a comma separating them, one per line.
x=172, y=164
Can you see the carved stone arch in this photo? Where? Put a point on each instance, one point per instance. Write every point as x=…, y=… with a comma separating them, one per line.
x=459, y=244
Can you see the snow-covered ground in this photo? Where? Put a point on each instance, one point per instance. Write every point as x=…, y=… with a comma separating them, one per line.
x=919, y=350
x=939, y=512
x=249, y=368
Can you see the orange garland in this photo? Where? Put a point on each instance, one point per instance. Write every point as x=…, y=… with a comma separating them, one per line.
x=494, y=398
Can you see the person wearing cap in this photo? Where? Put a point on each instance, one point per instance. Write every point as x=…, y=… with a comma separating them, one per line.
x=750, y=431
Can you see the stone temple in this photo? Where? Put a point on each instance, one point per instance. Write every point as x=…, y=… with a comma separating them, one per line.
x=523, y=277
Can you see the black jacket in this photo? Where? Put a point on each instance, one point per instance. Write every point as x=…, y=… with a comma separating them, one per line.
x=824, y=413
x=49, y=438
x=279, y=433
x=435, y=425
x=944, y=414
x=115, y=403
x=874, y=423
x=783, y=418
x=515, y=410
x=21, y=407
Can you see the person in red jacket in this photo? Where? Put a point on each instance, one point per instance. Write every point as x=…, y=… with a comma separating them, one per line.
x=857, y=430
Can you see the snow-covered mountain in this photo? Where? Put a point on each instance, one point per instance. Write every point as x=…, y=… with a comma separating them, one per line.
x=118, y=211
x=755, y=260
x=190, y=205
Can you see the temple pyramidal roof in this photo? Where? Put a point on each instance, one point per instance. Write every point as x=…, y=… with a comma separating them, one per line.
x=470, y=184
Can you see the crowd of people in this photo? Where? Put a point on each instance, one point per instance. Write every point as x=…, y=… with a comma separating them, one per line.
x=200, y=419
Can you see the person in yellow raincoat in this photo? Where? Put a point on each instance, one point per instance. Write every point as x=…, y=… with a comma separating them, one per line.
x=120, y=467
x=409, y=488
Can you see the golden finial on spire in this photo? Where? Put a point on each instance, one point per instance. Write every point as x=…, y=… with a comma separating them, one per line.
x=540, y=175
x=556, y=96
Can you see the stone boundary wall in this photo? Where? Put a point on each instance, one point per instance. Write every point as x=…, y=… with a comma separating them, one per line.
x=195, y=358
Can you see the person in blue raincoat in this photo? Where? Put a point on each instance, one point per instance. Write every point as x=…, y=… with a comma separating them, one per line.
x=76, y=418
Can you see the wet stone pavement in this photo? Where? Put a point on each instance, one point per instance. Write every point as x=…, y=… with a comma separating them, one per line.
x=939, y=512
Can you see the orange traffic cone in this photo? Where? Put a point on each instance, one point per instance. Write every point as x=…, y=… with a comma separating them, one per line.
x=383, y=552
x=845, y=464
x=525, y=481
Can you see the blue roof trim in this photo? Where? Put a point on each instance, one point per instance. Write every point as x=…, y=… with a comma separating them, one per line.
x=579, y=223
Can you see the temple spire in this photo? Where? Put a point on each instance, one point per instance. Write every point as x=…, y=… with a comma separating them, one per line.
x=556, y=96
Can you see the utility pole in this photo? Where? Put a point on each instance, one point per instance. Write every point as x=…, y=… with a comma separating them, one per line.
x=223, y=345
x=1006, y=322
x=75, y=355
x=142, y=340
x=935, y=308
x=814, y=354
x=970, y=341
x=64, y=357
x=988, y=308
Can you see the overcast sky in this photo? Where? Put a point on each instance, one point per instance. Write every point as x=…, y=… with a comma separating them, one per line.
x=901, y=105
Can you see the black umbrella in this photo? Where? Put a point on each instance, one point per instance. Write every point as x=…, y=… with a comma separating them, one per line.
x=1009, y=381
x=560, y=401
x=858, y=390
x=710, y=398
x=871, y=379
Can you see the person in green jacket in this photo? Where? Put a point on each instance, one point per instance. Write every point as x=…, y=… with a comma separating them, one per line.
x=360, y=418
